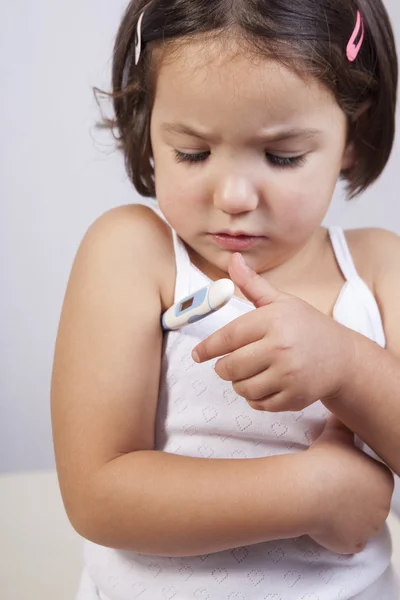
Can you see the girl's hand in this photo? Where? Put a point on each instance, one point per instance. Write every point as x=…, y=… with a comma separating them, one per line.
x=352, y=491
x=283, y=356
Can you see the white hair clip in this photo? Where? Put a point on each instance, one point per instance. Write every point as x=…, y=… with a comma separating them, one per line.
x=138, y=40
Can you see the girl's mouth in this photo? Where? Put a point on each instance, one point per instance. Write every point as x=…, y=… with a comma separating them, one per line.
x=236, y=242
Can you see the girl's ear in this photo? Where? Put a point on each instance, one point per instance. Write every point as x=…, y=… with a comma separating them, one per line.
x=349, y=155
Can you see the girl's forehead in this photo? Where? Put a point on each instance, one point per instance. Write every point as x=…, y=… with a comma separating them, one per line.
x=196, y=78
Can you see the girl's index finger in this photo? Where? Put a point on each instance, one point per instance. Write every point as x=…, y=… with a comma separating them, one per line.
x=240, y=332
x=214, y=346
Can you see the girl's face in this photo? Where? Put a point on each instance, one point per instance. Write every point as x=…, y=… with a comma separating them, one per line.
x=243, y=147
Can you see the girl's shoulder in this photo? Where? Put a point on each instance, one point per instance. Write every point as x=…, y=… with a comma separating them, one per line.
x=376, y=254
x=371, y=249
x=137, y=234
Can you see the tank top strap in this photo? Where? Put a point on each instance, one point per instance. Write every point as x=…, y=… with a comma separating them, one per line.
x=343, y=254
x=183, y=268
x=356, y=295
x=182, y=260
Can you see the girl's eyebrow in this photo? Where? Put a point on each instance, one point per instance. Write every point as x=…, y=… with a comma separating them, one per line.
x=288, y=134
x=265, y=136
x=180, y=128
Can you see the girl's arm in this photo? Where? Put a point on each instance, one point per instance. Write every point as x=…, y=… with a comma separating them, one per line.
x=117, y=490
x=369, y=401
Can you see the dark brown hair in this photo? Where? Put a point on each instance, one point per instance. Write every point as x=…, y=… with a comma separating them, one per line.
x=309, y=36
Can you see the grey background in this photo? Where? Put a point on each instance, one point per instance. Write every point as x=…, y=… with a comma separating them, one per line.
x=57, y=175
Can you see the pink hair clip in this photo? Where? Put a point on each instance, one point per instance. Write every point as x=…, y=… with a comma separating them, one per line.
x=138, y=40
x=353, y=49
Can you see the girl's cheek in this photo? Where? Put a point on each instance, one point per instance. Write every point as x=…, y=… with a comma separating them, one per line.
x=299, y=212
x=179, y=201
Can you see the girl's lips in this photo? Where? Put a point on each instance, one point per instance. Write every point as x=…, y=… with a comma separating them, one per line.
x=236, y=242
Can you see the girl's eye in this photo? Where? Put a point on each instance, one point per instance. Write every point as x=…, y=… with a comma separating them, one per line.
x=286, y=161
x=276, y=161
x=191, y=158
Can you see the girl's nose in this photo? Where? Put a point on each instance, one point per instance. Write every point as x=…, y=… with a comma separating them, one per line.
x=235, y=194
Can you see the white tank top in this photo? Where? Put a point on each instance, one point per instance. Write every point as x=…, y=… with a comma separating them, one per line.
x=200, y=415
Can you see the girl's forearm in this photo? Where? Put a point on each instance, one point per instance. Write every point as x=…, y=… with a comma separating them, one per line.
x=162, y=504
x=369, y=401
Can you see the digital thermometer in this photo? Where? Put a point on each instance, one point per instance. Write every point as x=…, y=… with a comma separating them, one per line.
x=199, y=305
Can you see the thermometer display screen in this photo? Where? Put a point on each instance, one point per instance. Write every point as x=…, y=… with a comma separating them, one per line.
x=187, y=304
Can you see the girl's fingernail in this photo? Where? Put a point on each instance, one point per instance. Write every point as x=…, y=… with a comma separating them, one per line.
x=195, y=356
x=242, y=263
x=241, y=260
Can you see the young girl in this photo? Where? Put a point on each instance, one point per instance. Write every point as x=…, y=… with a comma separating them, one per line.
x=238, y=478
